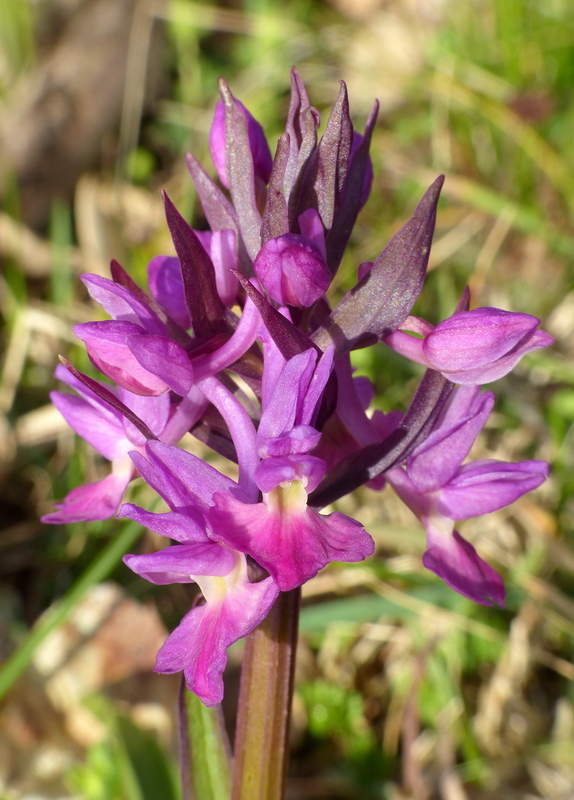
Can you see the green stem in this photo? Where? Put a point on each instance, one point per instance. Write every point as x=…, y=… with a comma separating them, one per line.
x=262, y=738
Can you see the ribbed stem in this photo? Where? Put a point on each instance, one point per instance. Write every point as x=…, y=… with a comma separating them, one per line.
x=262, y=738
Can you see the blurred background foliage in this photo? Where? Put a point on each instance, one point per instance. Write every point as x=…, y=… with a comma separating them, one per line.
x=404, y=689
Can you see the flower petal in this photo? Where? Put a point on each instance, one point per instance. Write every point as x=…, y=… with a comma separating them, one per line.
x=183, y=528
x=166, y=286
x=108, y=349
x=165, y=359
x=435, y=462
x=178, y=564
x=292, y=270
x=456, y=561
x=122, y=305
x=99, y=500
x=198, y=646
x=484, y=486
x=105, y=435
x=482, y=345
x=180, y=478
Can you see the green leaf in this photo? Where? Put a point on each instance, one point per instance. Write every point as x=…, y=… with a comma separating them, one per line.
x=208, y=771
x=149, y=767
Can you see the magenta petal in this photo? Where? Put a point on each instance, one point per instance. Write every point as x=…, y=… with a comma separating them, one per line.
x=270, y=472
x=498, y=369
x=314, y=392
x=294, y=545
x=178, y=564
x=198, y=646
x=183, y=528
x=166, y=286
x=464, y=402
x=182, y=479
x=107, y=346
x=222, y=248
x=292, y=270
x=234, y=348
x=484, y=486
x=456, y=561
x=300, y=439
x=152, y=411
x=103, y=408
x=99, y=500
x=121, y=304
x=476, y=338
x=312, y=228
x=409, y=346
x=435, y=462
x=165, y=359
x=104, y=434
x=281, y=410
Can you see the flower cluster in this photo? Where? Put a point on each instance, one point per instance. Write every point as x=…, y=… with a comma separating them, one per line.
x=237, y=343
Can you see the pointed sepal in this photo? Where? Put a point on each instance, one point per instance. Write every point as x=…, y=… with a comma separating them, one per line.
x=240, y=170
x=326, y=170
x=207, y=310
x=107, y=396
x=383, y=298
x=352, y=196
x=375, y=459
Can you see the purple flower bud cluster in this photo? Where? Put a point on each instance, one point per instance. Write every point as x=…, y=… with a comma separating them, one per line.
x=236, y=342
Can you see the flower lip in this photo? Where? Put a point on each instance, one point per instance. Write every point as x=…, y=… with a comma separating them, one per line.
x=456, y=561
x=286, y=537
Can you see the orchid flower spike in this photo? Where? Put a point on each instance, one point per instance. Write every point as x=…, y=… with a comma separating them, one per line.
x=237, y=344
x=233, y=605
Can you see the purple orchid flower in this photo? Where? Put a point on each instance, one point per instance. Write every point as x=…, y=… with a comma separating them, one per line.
x=113, y=436
x=287, y=537
x=115, y=347
x=234, y=605
x=439, y=489
x=238, y=345
x=471, y=347
x=282, y=533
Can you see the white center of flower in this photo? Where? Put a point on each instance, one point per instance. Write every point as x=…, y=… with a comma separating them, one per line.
x=289, y=496
x=215, y=587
